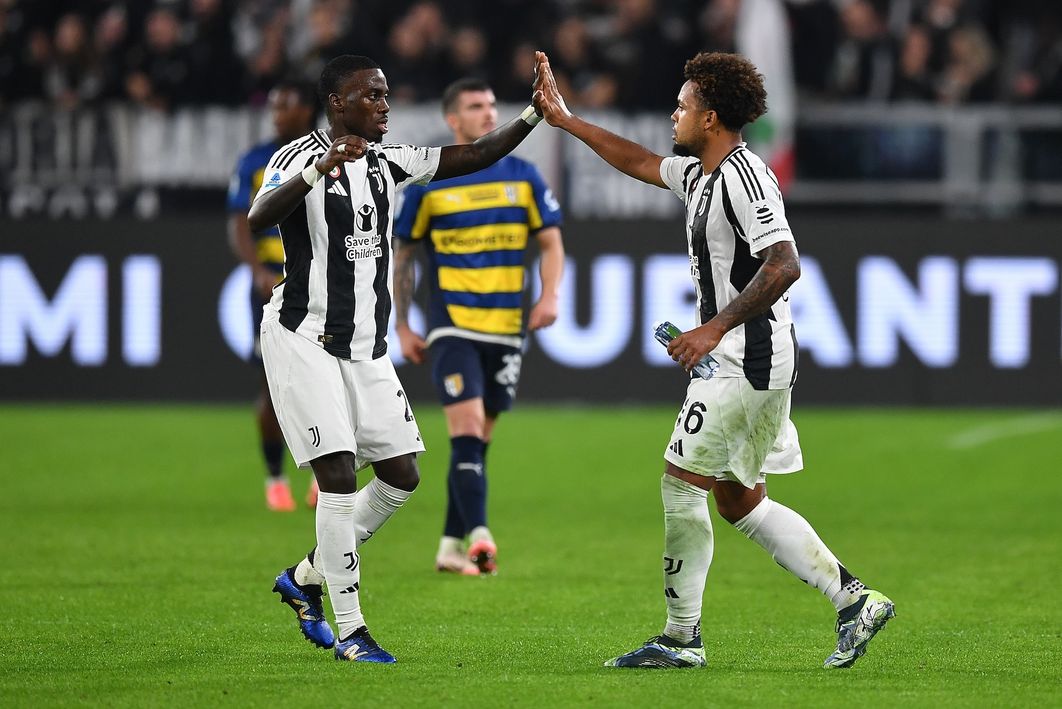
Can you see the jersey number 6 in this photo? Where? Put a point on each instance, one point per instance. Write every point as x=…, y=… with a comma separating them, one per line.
x=694, y=419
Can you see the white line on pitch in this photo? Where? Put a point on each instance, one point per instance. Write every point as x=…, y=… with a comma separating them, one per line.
x=1009, y=428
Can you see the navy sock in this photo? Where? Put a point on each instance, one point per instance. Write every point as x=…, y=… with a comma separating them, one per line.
x=455, y=525
x=273, y=452
x=468, y=481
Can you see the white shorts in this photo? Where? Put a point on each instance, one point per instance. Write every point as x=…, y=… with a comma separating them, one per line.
x=327, y=405
x=730, y=431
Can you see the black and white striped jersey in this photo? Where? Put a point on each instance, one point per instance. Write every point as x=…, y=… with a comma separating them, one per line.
x=731, y=215
x=337, y=243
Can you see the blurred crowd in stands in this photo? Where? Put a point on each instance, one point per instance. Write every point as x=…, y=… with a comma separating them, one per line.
x=625, y=54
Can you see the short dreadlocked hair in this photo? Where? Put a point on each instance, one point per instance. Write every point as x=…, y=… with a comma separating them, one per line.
x=729, y=85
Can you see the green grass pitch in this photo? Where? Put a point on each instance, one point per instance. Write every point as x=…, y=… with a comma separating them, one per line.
x=138, y=559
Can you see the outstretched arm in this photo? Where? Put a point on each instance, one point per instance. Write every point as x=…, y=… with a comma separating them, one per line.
x=457, y=160
x=485, y=151
x=780, y=270
x=624, y=155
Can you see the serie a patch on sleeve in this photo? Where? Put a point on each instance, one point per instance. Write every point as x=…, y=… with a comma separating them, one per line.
x=274, y=181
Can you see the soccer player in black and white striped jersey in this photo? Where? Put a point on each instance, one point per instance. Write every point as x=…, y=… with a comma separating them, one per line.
x=324, y=344
x=734, y=428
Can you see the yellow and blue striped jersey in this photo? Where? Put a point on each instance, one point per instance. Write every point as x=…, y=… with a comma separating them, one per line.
x=244, y=185
x=478, y=227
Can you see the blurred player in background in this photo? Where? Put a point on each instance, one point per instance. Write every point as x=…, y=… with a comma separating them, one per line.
x=324, y=331
x=293, y=106
x=477, y=227
x=734, y=428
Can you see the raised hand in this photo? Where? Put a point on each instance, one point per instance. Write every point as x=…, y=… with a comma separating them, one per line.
x=345, y=149
x=547, y=97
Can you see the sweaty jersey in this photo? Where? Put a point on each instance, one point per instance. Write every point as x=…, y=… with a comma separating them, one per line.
x=732, y=214
x=478, y=226
x=337, y=243
x=244, y=185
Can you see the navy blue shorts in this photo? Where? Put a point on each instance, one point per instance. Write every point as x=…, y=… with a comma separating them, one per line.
x=468, y=369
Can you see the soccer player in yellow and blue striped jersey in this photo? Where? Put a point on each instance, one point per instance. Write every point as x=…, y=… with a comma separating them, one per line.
x=475, y=230
x=293, y=107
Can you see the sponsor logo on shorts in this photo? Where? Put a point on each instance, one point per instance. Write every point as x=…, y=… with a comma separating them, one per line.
x=316, y=434
x=454, y=384
x=509, y=375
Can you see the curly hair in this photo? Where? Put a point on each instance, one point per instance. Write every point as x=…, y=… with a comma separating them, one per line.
x=729, y=85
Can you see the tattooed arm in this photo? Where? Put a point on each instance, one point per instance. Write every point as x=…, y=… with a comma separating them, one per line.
x=780, y=270
x=412, y=344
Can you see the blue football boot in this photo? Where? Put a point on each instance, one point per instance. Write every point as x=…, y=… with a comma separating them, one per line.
x=361, y=647
x=306, y=602
x=662, y=651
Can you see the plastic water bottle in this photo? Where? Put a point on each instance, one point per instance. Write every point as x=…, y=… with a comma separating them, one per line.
x=666, y=331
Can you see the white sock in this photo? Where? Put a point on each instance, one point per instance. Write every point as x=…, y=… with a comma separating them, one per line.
x=792, y=543
x=449, y=545
x=373, y=505
x=337, y=549
x=480, y=533
x=310, y=572
x=688, y=547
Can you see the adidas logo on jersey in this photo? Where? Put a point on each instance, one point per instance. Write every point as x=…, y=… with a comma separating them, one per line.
x=337, y=188
x=676, y=447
